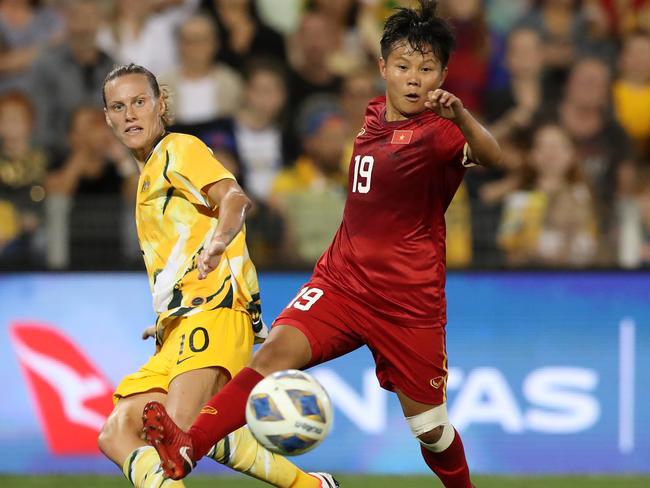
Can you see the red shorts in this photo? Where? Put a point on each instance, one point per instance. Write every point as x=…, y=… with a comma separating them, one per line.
x=411, y=360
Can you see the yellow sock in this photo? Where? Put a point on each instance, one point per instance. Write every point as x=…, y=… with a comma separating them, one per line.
x=241, y=452
x=142, y=469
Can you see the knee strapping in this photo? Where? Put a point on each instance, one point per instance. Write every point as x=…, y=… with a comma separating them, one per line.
x=427, y=421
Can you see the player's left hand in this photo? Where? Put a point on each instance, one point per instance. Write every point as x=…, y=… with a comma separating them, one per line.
x=210, y=257
x=149, y=332
x=445, y=104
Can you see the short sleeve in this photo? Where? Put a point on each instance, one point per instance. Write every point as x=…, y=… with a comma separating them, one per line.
x=453, y=149
x=193, y=167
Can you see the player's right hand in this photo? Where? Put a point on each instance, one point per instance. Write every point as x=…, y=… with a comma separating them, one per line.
x=149, y=332
x=210, y=257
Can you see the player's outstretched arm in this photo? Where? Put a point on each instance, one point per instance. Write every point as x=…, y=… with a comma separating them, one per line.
x=233, y=205
x=484, y=149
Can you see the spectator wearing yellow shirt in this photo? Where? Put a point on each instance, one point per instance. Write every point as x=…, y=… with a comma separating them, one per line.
x=310, y=196
x=22, y=172
x=632, y=90
x=551, y=220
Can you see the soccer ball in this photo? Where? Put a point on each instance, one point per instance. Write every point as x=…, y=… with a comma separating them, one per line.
x=289, y=412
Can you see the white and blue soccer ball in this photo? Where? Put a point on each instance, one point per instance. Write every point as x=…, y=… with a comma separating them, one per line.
x=289, y=412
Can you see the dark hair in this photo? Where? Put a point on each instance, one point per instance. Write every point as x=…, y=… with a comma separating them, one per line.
x=528, y=174
x=422, y=29
x=270, y=65
x=136, y=69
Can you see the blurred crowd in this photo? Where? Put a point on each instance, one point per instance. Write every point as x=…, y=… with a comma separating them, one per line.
x=278, y=90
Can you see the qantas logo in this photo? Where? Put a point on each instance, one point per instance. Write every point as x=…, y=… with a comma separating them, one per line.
x=71, y=396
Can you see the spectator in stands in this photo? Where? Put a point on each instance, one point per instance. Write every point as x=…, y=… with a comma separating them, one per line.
x=604, y=148
x=86, y=191
x=241, y=33
x=624, y=17
x=562, y=29
x=632, y=90
x=202, y=89
x=487, y=191
x=503, y=15
x=311, y=195
x=69, y=75
x=353, y=53
x=643, y=202
x=633, y=223
x=468, y=67
x=309, y=71
x=459, y=230
x=551, y=221
x=22, y=173
x=312, y=45
x=258, y=129
x=25, y=29
x=143, y=31
x=357, y=89
x=512, y=108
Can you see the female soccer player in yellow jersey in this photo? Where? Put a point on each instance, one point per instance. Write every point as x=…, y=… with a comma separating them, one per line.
x=190, y=218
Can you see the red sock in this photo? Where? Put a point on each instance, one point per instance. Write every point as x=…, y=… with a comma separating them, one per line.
x=449, y=465
x=224, y=413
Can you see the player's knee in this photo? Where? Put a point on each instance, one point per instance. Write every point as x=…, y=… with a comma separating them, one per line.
x=109, y=435
x=104, y=440
x=280, y=352
x=266, y=360
x=432, y=428
x=122, y=423
x=431, y=436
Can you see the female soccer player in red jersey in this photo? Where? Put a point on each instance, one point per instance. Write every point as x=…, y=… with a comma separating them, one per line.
x=381, y=281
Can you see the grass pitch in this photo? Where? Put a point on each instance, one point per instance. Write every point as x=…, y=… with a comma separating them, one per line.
x=346, y=482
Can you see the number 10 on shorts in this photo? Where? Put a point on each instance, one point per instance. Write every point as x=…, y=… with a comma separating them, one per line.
x=306, y=298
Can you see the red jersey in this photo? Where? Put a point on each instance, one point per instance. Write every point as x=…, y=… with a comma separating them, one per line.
x=389, y=252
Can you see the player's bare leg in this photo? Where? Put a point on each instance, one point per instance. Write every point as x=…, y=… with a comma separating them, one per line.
x=187, y=393
x=285, y=348
x=441, y=446
x=120, y=440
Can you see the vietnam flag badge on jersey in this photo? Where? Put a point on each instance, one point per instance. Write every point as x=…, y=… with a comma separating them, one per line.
x=402, y=137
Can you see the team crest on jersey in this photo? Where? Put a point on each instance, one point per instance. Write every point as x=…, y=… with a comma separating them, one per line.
x=361, y=132
x=145, y=185
x=402, y=137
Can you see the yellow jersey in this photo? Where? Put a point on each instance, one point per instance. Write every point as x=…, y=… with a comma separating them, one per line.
x=175, y=221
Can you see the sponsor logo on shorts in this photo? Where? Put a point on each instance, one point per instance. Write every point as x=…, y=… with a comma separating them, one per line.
x=209, y=410
x=437, y=382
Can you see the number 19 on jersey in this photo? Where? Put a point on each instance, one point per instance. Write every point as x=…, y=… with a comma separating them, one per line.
x=362, y=174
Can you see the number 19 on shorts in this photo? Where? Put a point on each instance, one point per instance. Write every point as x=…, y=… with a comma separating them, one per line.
x=362, y=173
x=306, y=298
